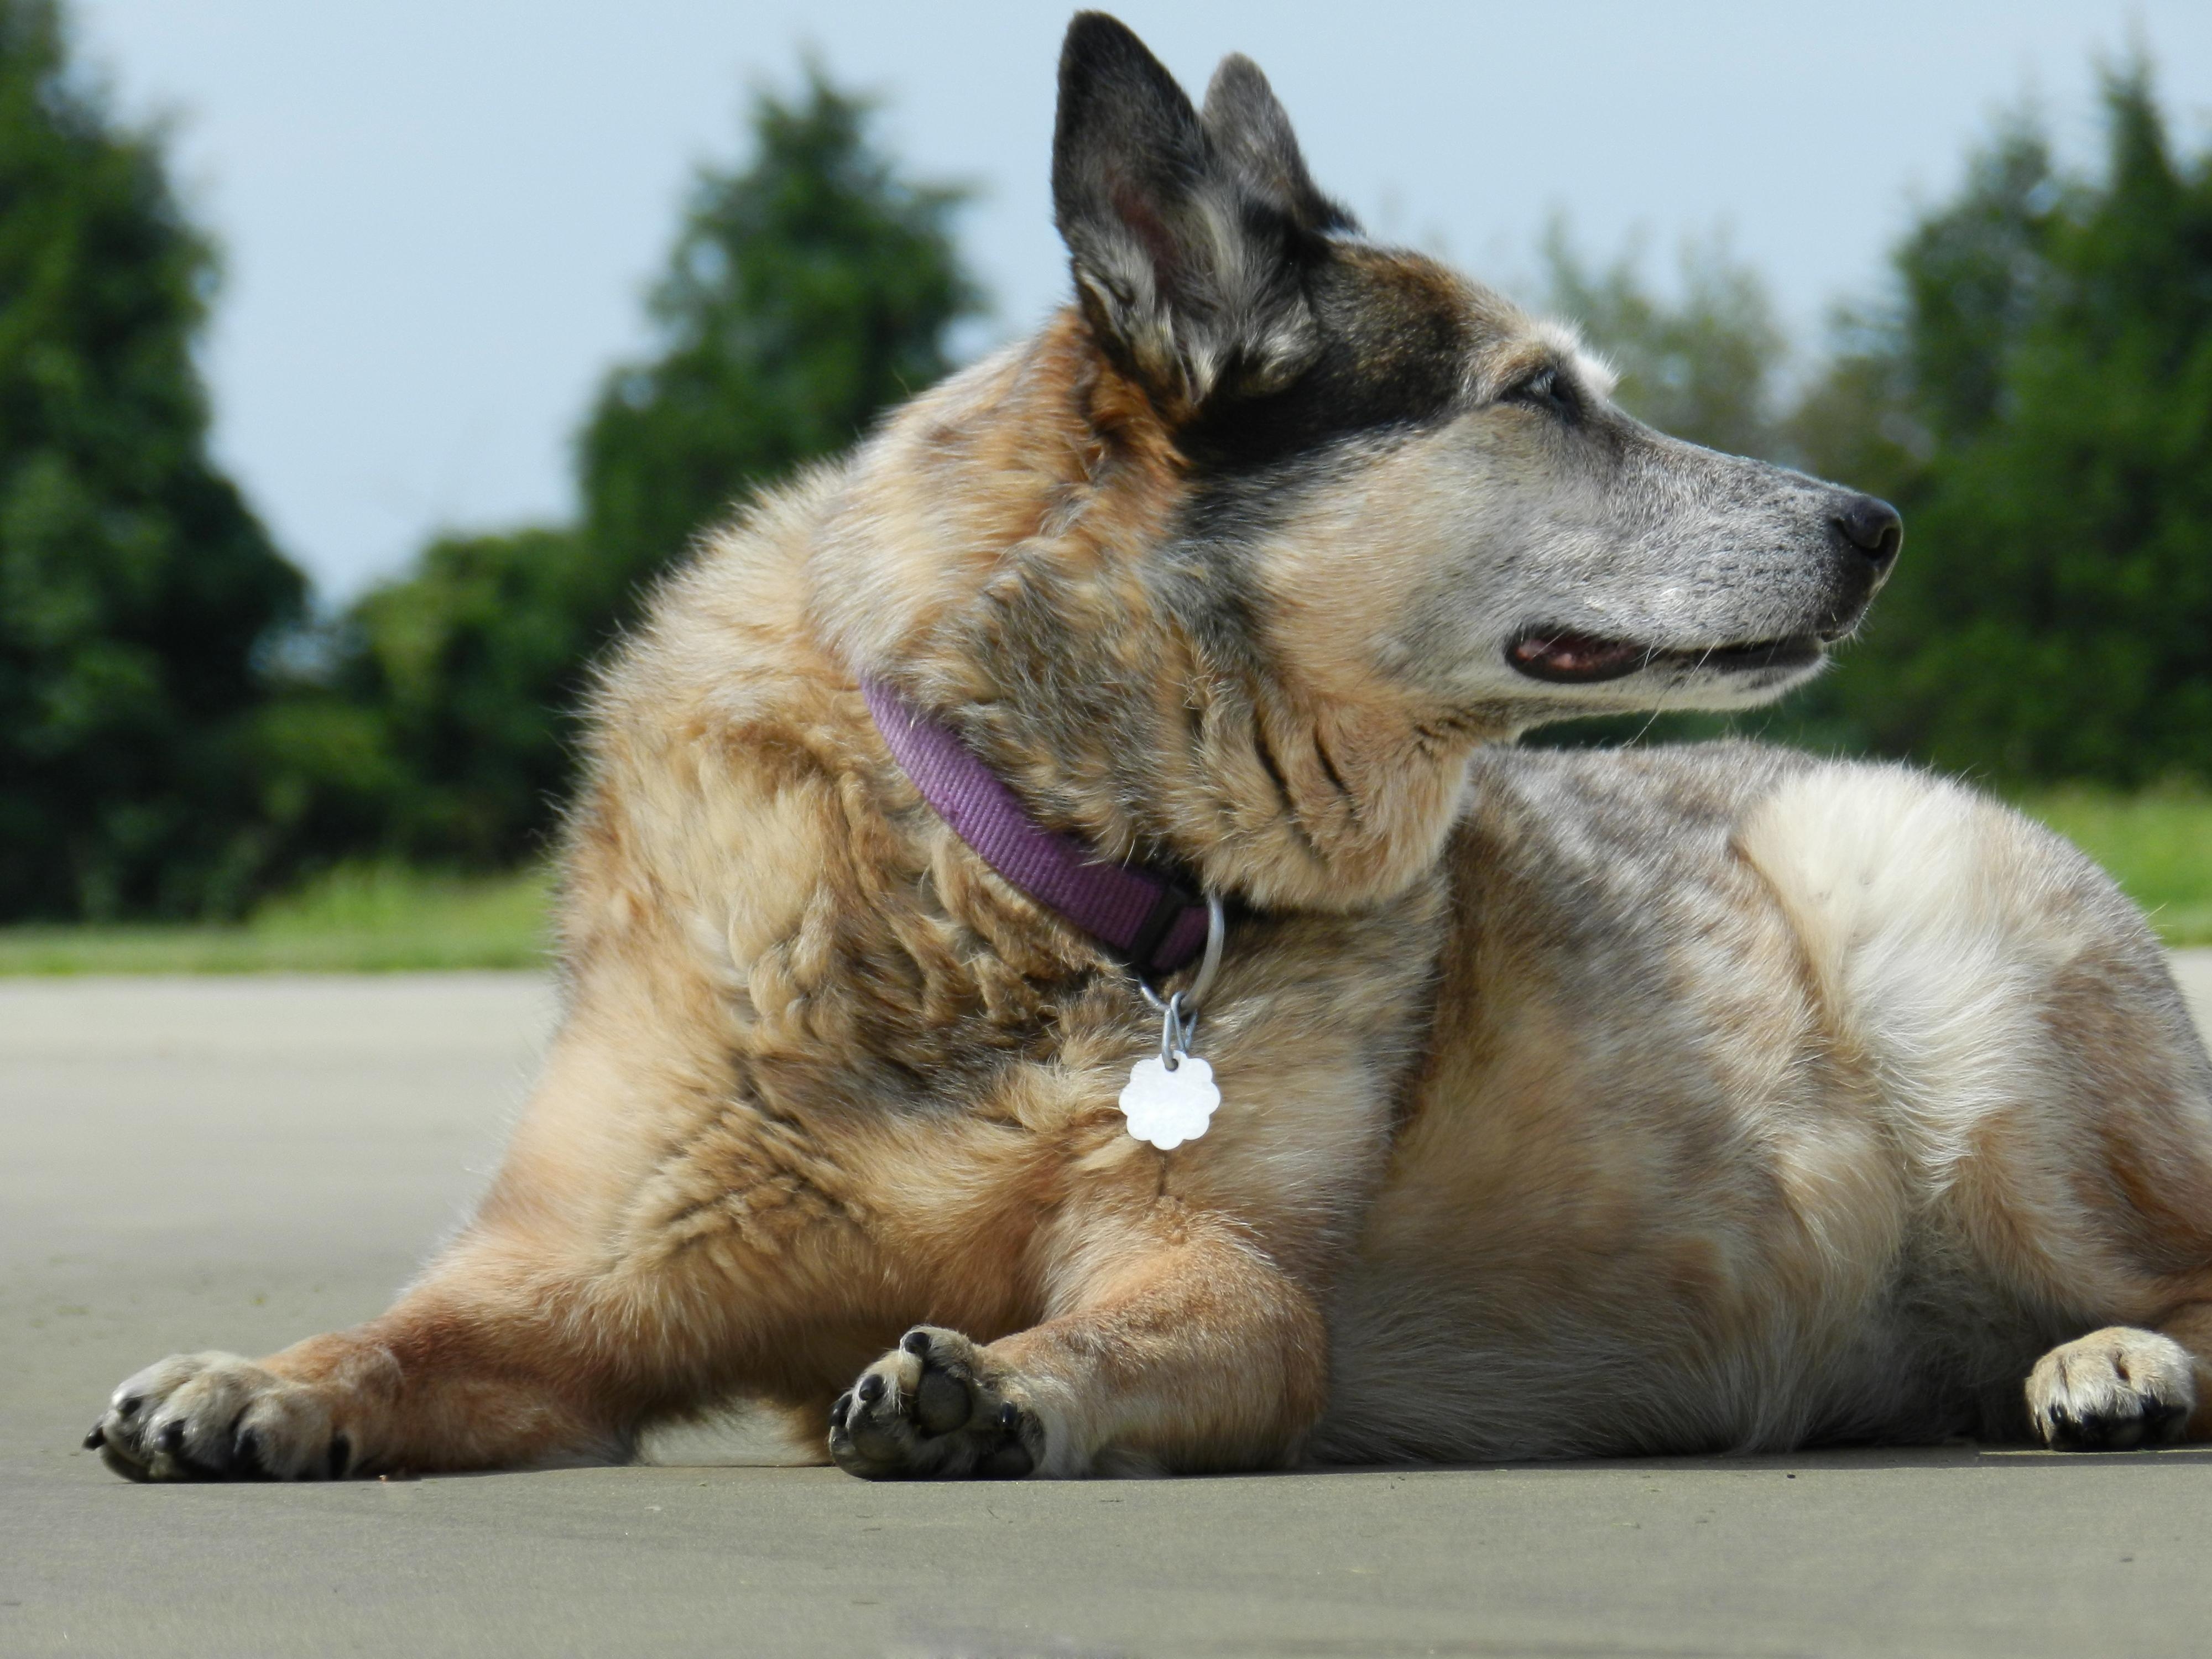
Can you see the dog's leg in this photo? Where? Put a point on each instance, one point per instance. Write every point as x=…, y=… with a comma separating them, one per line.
x=597, y=1287
x=1188, y=1351
x=2128, y=1236
x=492, y=1360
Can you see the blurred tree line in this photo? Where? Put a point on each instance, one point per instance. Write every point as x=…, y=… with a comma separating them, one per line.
x=180, y=732
x=135, y=585
x=807, y=290
x=2035, y=393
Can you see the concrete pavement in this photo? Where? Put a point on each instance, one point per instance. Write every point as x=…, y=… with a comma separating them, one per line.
x=236, y=1163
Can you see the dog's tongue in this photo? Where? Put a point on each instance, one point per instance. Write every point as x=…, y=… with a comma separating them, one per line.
x=1575, y=657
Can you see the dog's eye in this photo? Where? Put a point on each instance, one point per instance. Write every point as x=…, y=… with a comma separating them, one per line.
x=1548, y=391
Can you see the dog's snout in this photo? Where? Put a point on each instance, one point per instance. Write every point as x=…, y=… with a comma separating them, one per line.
x=1873, y=526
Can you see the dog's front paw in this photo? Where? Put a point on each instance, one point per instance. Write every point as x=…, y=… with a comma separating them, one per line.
x=217, y=1416
x=934, y=1407
x=2110, y=1390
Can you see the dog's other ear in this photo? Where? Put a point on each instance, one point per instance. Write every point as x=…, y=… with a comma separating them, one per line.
x=1251, y=132
x=1188, y=242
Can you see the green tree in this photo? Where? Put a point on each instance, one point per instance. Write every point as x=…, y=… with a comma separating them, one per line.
x=808, y=289
x=2038, y=401
x=438, y=727
x=804, y=294
x=135, y=587
x=1704, y=364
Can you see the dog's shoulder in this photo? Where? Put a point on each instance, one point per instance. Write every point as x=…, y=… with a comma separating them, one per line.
x=1597, y=803
x=1630, y=850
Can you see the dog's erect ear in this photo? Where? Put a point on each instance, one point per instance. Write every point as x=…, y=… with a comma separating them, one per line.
x=1251, y=132
x=1189, y=237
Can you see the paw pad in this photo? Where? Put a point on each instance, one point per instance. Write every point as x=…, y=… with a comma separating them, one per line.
x=933, y=1407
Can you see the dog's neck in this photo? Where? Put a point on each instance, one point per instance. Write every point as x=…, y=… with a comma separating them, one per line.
x=1152, y=921
x=1006, y=554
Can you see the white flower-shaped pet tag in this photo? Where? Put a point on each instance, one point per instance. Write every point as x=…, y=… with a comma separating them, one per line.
x=1168, y=1108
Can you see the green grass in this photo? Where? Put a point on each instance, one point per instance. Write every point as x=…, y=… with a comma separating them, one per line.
x=360, y=919
x=2158, y=845
x=384, y=918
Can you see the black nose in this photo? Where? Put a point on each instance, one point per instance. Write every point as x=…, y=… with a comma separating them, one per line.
x=1874, y=527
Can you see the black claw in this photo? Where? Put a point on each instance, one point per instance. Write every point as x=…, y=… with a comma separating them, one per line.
x=96, y=1439
x=1010, y=1417
x=916, y=1342
x=246, y=1453
x=872, y=1389
x=842, y=1410
x=341, y=1455
x=171, y=1439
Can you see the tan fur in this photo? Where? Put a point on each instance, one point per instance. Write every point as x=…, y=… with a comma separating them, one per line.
x=1571, y=1104
x=1856, y=1159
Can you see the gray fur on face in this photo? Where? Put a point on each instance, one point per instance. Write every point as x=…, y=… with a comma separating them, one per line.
x=1612, y=530
x=1524, y=522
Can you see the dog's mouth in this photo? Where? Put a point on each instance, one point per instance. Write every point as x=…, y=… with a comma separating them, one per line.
x=1563, y=658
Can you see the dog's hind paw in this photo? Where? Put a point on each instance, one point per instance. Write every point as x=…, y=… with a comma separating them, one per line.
x=2112, y=1391
x=217, y=1416
x=934, y=1408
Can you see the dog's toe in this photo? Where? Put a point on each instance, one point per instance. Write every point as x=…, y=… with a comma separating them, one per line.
x=2112, y=1391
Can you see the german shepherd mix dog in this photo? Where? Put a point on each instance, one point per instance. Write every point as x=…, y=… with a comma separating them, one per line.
x=1659, y=1101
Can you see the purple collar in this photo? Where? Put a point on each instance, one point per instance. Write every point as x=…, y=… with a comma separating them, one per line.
x=1154, y=924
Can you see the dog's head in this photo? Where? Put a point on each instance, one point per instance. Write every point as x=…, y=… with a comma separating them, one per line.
x=1399, y=471
x=1238, y=558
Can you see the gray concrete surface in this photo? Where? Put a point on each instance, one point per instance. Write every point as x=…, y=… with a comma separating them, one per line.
x=235, y=1163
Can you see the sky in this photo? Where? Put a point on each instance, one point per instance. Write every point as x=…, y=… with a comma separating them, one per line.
x=439, y=217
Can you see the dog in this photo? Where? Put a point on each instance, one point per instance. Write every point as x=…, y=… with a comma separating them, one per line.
x=1055, y=928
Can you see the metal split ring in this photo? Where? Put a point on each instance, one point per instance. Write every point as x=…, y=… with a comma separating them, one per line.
x=1179, y=1012
x=1208, y=965
x=1176, y=1027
